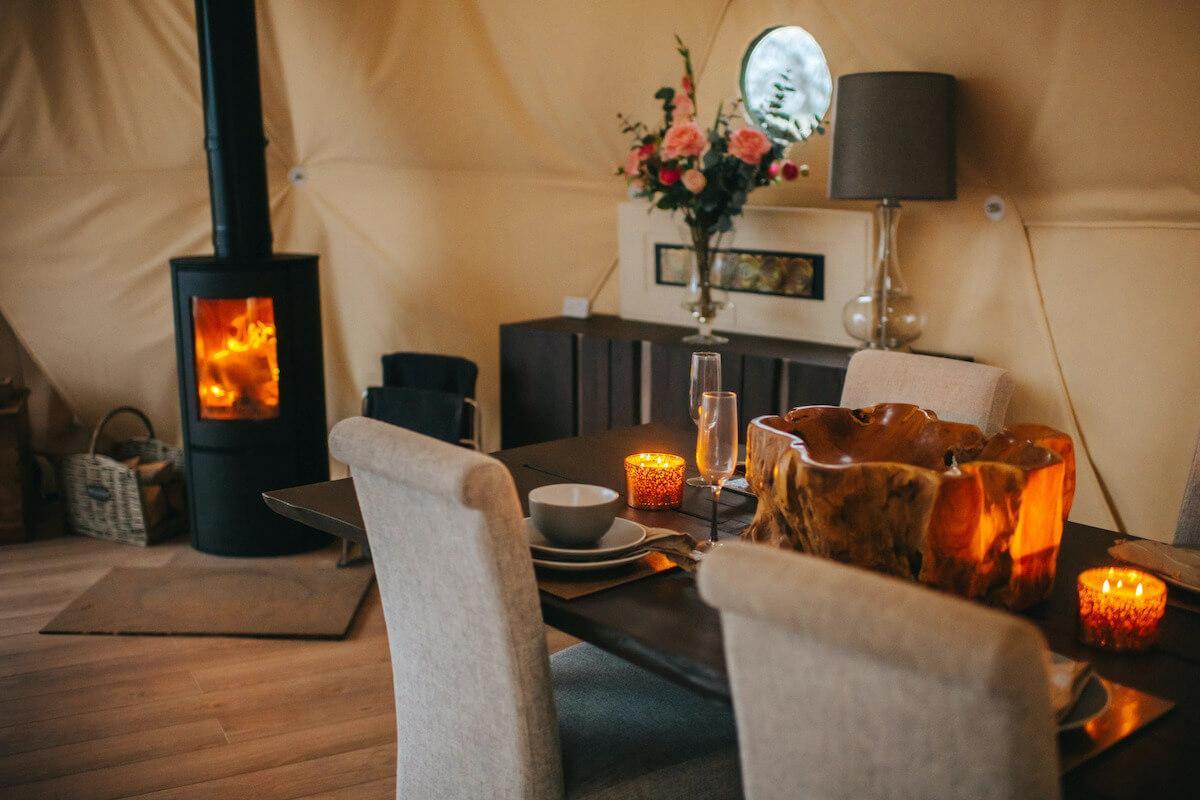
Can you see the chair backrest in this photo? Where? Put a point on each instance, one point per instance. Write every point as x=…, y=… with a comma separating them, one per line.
x=855, y=685
x=441, y=415
x=475, y=714
x=430, y=371
x=955, y=390
x=1187, y=530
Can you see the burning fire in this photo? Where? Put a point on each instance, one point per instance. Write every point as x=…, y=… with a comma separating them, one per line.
x=237, y=367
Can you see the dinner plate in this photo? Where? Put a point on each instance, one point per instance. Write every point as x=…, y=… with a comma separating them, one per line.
x=623, y=536
x=1093, y=701
x=590, y=566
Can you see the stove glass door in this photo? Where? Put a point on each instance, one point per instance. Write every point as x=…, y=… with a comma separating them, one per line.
x=237, y=366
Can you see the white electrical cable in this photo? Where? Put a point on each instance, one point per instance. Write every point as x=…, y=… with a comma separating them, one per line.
x=1062, y=377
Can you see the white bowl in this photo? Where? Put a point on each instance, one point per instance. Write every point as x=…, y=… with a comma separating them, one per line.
x=573, y=514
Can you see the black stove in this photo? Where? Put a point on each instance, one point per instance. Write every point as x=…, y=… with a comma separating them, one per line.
x=247, y=323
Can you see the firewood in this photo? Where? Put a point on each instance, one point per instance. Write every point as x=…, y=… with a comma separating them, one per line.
x=154, y=472
x=154, y=505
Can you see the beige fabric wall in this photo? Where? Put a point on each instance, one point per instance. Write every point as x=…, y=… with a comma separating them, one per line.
x=458, y=159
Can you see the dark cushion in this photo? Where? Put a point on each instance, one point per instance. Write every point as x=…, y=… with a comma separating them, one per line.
x=437, y=414
x=627, y=733
x=430, y=371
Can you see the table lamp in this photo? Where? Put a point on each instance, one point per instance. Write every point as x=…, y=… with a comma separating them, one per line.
x=893, y=140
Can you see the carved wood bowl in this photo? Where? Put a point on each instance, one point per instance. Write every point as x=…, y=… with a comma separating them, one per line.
x=894, y=489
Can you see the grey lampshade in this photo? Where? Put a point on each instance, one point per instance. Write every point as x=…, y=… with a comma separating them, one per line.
x=893, y=137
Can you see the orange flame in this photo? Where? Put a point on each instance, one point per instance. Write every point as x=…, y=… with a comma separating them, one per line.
x=237, y=364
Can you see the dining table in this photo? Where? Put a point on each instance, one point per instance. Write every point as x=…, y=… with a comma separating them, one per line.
x=660, y=622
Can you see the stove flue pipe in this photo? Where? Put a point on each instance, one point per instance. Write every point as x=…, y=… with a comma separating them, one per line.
x=233, y=130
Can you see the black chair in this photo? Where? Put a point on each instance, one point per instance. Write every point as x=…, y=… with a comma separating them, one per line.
x=430, y=371
x=434, y=372
x=434, y=413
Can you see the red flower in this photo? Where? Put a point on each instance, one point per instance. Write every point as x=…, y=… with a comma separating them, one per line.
x=686, y=83
x=646, y=150
x=668, y=176
x=790, y=170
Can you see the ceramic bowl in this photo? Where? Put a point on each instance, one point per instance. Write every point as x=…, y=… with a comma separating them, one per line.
x=573, y=514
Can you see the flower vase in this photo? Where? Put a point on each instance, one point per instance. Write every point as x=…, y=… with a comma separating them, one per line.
x=705, y=297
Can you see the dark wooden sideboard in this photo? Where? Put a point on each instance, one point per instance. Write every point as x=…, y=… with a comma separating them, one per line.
x=563, y=377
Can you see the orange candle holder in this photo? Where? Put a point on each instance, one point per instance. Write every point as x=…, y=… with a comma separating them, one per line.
x=654, y=480
x=1120, y=609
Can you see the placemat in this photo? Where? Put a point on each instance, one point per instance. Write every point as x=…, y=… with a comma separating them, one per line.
x=1128, y=711
x=570, y=585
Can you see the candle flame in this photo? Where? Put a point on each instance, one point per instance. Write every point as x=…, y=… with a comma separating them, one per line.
x=1105, y=588
x=1138, y=591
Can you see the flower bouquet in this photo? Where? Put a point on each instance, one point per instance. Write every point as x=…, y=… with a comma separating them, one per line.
x=707, y=174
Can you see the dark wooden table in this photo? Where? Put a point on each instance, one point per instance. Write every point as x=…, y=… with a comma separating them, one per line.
x=662, y=624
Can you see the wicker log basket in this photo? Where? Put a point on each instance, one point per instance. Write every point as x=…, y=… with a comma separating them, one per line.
x=136, y=495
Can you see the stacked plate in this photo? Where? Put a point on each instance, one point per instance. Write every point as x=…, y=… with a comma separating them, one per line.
x=620, y=545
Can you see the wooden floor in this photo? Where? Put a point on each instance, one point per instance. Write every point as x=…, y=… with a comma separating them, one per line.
x=174, y=717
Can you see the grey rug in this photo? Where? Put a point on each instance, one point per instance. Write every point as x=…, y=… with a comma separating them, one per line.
x=260, y=598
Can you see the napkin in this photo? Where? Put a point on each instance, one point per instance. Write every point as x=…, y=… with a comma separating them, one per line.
x=1067, y=679
x=1179, y=565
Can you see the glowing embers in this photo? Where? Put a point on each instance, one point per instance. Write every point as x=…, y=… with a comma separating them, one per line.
x=237, y=367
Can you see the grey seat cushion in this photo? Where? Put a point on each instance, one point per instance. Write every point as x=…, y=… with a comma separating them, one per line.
x=627, y=733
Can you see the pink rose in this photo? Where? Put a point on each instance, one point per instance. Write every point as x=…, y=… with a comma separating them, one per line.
x=749, y=145
x=633, y=163
x=684, y=108
x=684, y=139
x=695, y=181
x=773, y=169
x=668, y=176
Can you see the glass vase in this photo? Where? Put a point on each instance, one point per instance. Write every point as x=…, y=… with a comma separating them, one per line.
x=705, y=297
x=885, y=316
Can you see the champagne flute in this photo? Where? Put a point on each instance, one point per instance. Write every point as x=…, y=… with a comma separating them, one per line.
x=705, y=377
x=717, y=445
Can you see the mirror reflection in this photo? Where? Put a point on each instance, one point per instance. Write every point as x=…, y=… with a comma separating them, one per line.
x=786, y=85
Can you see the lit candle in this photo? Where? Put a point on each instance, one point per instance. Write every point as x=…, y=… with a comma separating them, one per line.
x=654, y=480
x=1120, y=609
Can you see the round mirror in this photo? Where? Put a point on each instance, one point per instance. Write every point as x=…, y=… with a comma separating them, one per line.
x=786, y=84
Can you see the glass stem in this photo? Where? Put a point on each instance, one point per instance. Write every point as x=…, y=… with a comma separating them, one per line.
x=712, y=533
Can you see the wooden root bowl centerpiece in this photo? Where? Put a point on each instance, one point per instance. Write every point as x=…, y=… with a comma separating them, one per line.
x=894, y=489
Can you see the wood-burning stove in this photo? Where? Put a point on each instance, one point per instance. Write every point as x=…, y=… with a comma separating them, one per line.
x=247, y=323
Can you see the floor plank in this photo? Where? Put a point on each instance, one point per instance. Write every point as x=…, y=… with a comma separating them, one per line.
x=127, y=748
x=105, y=717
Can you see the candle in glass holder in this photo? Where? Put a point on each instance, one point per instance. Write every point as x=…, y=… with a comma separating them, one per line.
x=654, y=480
x=1119, y=608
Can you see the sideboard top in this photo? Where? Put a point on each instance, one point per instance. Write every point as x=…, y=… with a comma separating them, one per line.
x=608, y=326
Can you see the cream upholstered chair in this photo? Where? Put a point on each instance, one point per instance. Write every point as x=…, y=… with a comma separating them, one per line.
x=1187, y=530
x=850, y=684
x=958, y=391
x=476, y=696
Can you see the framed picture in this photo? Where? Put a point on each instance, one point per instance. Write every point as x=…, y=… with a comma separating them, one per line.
x=787, y=271
x=740, y=269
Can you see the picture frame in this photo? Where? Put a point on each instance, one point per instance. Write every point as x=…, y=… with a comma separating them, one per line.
x=839, y=241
